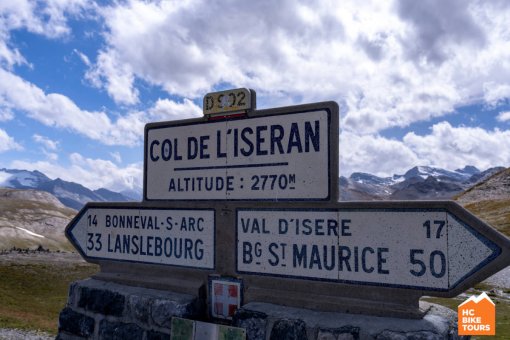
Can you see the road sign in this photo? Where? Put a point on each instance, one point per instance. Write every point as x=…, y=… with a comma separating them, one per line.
x=283, y=156
x=229, y=102
x=424, y=249
x=177, y=237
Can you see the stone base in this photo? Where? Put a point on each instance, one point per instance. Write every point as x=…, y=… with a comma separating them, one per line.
x=274, y=322
x=104, y=310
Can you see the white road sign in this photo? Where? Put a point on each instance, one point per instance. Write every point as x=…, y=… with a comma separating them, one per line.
x=179, y=237
x=426, y=249
x=276, y=157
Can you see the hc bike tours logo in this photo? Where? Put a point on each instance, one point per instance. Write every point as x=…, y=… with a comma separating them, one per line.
x=477, y=316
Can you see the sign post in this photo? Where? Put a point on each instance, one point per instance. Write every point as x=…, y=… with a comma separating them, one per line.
x=251, y=195
x=374, y=258
x=425, y=249
x=177, y=237
x=287, y=154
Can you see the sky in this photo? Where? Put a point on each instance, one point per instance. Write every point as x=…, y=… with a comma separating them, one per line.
x=417, y=82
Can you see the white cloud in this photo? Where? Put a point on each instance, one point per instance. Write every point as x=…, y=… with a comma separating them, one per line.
x=450, y=147
x=445, y=146
x=5, y=114
x=9, y=56
x=116, y=156
x=438, y=27
x=83, y=57
x=54, y=109
x=48, y=147
x=495, y=93
x=503, y=116
x=48, y=18
x=7, y=142
x=387, y=64
x=46, y=142
x=374, y=154
x=116, y=76
x=51, y=156
x=92, y=173
x=51, y=109
x=165, y=109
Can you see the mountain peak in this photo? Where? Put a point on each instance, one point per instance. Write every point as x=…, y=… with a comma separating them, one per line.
x=419, y=182
x=71, y=194
x=469, y=169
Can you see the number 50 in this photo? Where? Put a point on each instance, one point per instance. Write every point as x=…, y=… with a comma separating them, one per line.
x=437, y=271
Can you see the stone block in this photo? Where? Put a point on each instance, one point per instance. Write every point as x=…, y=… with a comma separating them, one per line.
x=139, y=307
x=342, y=333
x=119, y=331
x=101, y=301
x=72, y=299
x=67, y=336
x=163, y=310
x=289, y=329
x=75, y=323
x=255, y=323
x=419, y=335
x=152, y=335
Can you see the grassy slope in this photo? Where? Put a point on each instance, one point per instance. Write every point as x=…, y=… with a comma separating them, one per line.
x=32, y=295
x=494, y=212
x=26, y=211
x=490, y=201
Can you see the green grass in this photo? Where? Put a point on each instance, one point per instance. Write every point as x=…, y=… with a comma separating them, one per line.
x=32, y=295
x=494, y=212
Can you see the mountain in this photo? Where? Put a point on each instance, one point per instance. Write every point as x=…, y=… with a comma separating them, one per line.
x=22, y=179
x=418, y=183
x=72, y=195
x=490, y=200
x=31, y=218
x=134, y=195
x=496, y=187
x=430, y=189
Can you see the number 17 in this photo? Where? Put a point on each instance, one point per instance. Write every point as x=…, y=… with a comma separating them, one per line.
x=440, y=224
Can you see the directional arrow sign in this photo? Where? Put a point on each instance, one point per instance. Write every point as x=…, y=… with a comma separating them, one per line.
x=178, y=237
x=425, y=249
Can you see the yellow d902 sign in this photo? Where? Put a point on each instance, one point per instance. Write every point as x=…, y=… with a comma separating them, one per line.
x=230, y=101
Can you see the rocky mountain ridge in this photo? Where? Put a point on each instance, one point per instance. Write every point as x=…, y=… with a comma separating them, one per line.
x=72, y=195
x=418, y=183
x=490, y=200
x=496, y=187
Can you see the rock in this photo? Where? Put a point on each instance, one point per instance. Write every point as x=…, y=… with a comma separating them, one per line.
x=101, y=301
x=119, y=331
x=253, y=322
x=75, y=323
x=287, y=329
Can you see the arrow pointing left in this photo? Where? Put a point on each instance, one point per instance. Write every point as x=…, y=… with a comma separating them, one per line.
x=177, y=237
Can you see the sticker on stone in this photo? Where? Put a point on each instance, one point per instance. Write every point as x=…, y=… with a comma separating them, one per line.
x=225, y=296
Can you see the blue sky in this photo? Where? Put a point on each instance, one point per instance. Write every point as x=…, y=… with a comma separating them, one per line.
x=418, y=83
